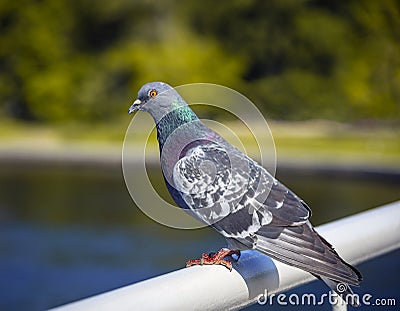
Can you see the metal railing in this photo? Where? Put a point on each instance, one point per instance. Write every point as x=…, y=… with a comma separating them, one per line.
x=357, y=238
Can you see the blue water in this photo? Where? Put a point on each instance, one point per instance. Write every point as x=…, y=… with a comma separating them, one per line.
x=69, y=233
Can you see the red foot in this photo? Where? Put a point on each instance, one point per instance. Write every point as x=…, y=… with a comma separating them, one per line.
x=215, y=259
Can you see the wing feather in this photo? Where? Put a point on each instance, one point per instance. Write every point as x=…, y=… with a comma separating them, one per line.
x=240, y=199
x=221, y=184
x=208, y=182
x=302, y=247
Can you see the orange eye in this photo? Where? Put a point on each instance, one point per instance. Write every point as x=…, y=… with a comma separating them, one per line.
x=152, y=93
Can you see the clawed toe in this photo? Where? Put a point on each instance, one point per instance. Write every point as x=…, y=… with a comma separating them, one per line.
x=216, y=258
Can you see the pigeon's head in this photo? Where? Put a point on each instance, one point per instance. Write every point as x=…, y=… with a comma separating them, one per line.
x=156, y=98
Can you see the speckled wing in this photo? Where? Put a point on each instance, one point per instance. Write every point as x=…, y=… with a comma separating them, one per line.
x=209, y=182
x=233, y=193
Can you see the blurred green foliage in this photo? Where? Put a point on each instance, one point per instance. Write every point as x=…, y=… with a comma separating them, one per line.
x=296, y=59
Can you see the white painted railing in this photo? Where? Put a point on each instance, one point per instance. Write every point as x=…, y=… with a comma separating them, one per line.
x=357, y=238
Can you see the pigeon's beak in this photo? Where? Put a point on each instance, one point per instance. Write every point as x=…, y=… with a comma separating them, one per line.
x=135, y=106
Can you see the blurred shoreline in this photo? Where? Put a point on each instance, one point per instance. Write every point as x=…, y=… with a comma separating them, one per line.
x=108, y=156
x=308, y=144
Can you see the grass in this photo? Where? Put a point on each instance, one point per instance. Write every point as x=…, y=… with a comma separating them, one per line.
x=308, y=141
x=339, y=143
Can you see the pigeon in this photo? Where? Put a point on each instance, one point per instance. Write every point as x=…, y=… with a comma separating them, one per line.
x=224, y=188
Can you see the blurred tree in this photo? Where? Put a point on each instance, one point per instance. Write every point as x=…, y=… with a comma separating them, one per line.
x=85, y=59
x=311, y=58
x=373, y=85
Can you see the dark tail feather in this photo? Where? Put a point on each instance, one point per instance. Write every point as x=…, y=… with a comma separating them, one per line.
x=302, y=247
